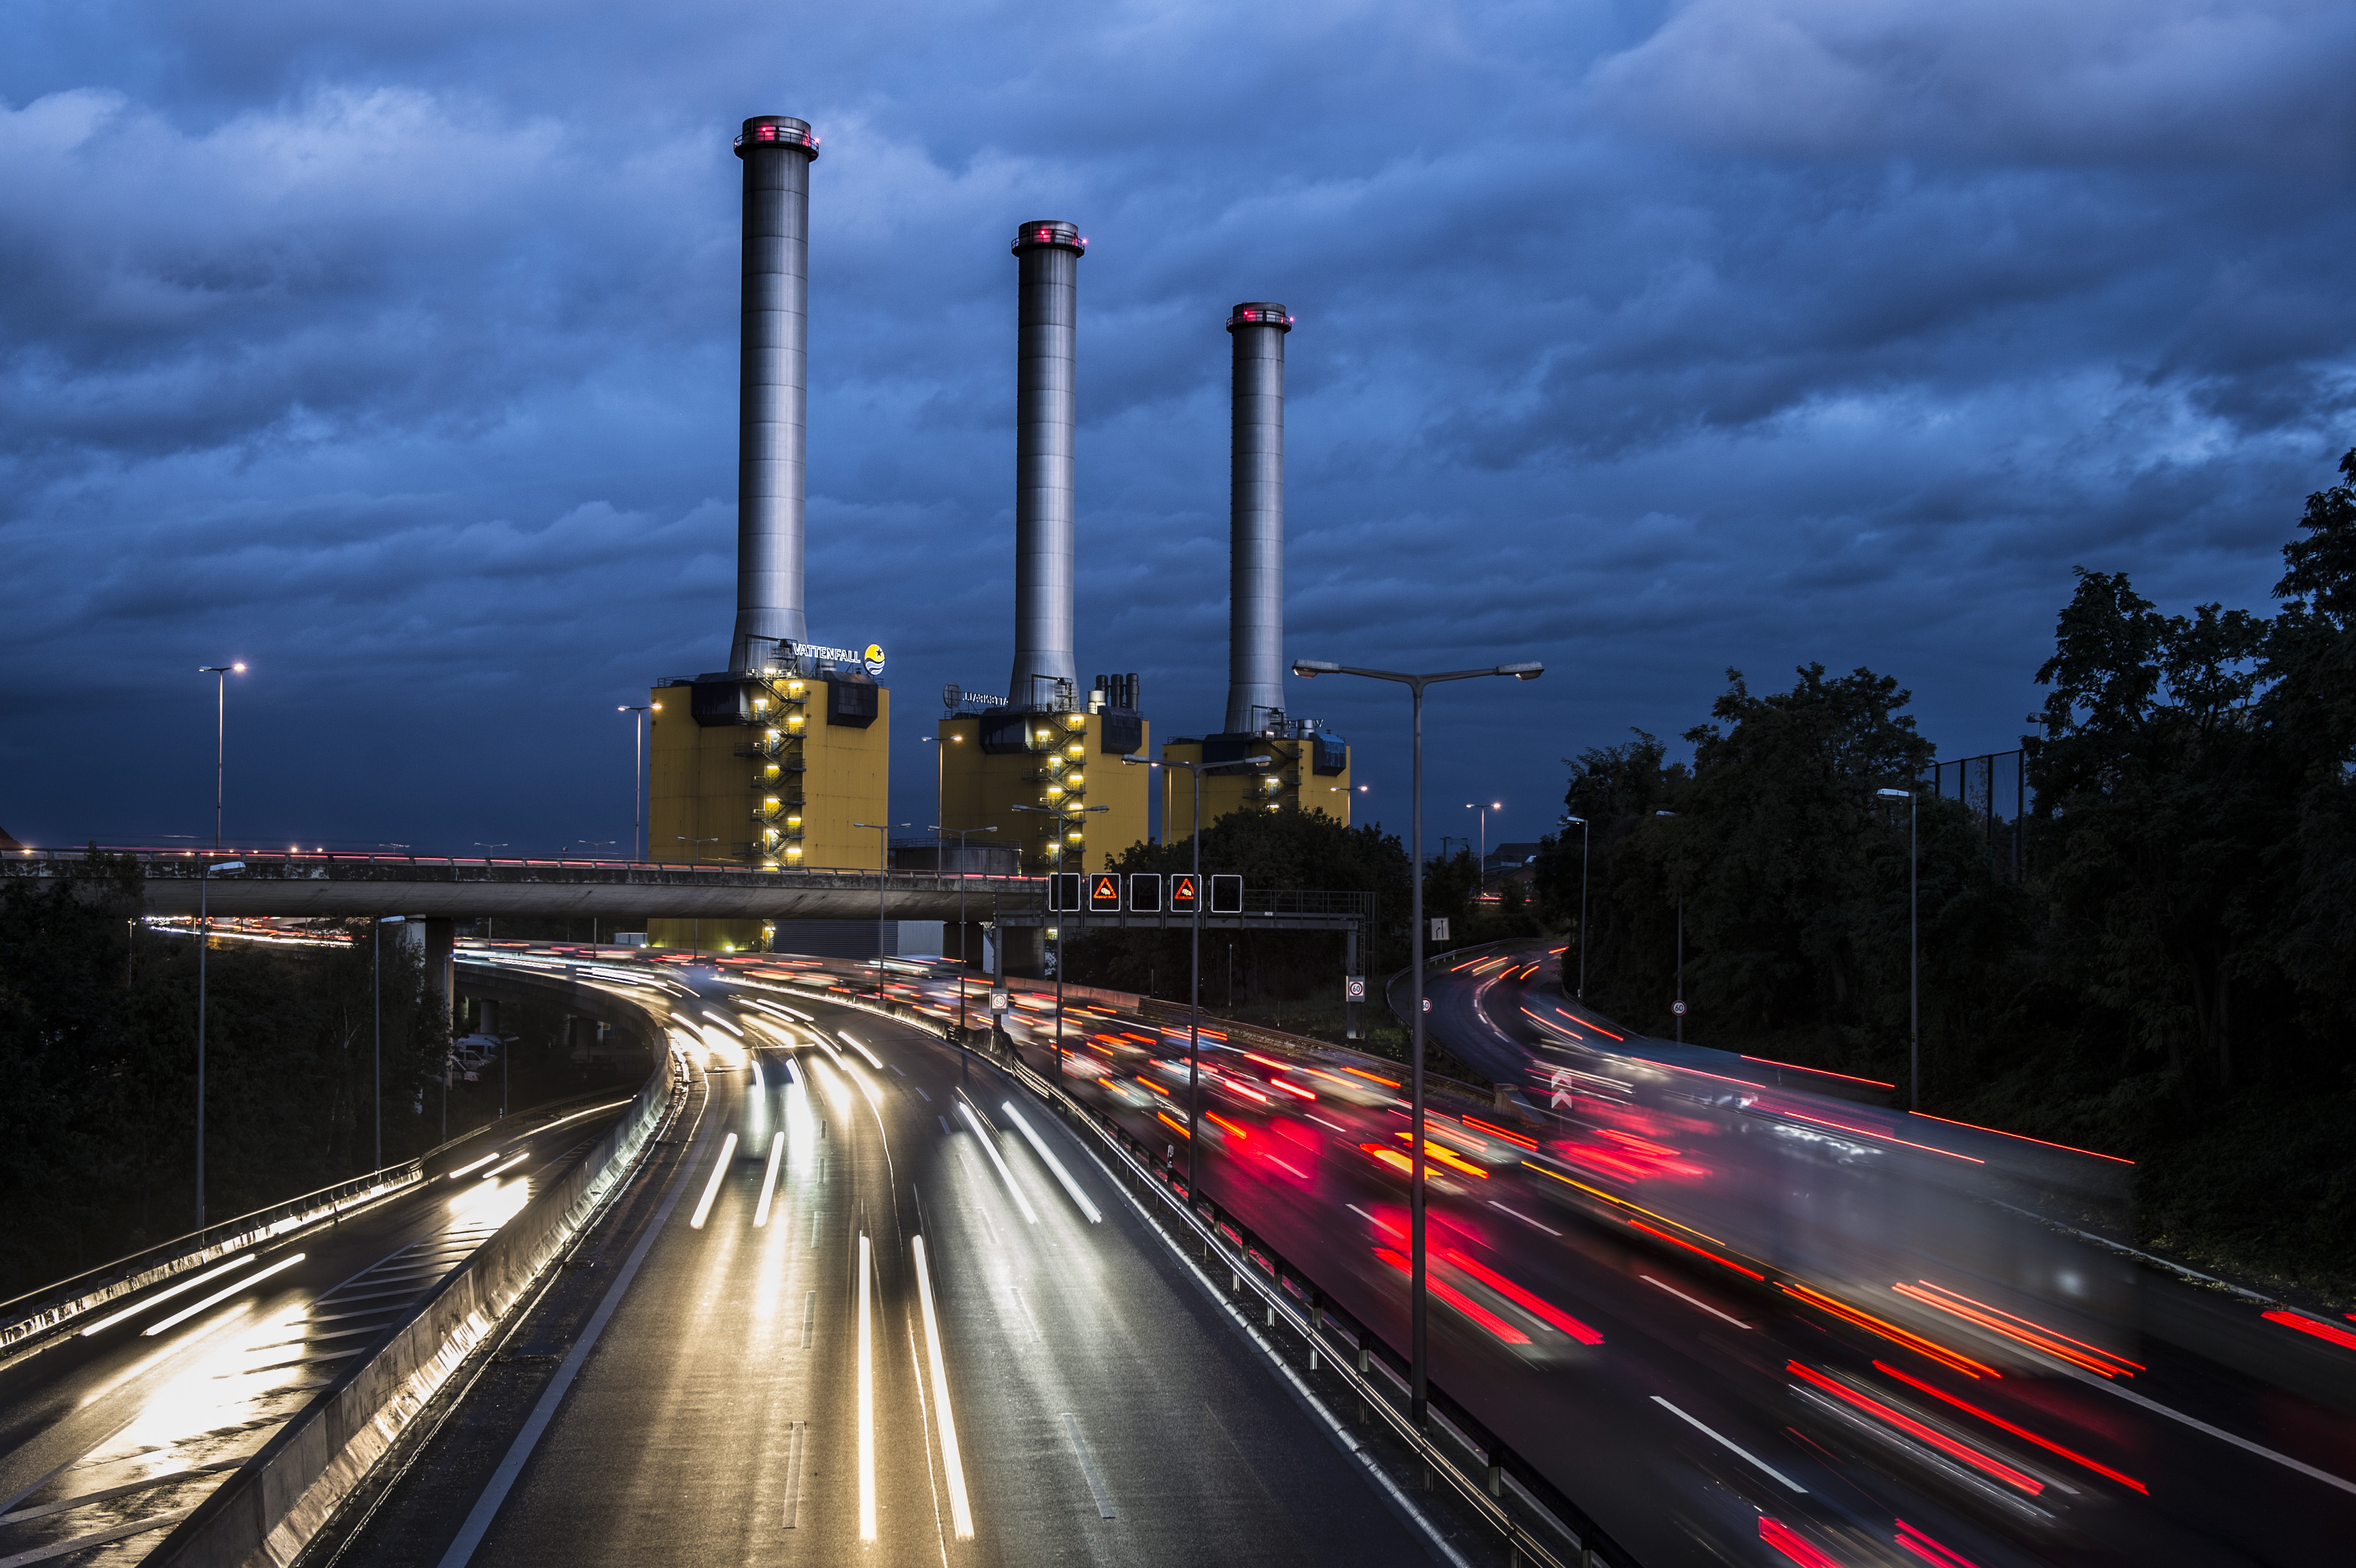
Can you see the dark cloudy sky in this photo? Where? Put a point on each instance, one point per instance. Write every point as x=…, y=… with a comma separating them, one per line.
x=392, y=349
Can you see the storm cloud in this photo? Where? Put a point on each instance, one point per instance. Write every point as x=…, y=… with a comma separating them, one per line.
x=394, y=352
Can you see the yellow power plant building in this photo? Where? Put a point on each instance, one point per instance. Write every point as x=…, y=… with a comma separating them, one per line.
x=1309, y=770
x=765, y=770
x=1063, y=757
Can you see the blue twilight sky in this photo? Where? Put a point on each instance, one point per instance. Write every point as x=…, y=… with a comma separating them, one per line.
x=392, y=349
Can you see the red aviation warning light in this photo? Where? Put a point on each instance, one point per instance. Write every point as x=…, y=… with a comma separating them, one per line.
x=1104, y=894
x=1145, y=892
x=1185, y=896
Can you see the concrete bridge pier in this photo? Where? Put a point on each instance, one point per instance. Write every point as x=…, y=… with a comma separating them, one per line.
x=440, y=987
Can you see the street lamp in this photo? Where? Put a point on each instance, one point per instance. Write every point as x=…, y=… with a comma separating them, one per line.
x=1062, y=814
x=962, y=834
x=637, y=776
x=1913, y=944
x=1582, y=904
x=1309, y=669
x=1482, y=866
x=1679, y=1010
x=1195, y=992
x=695, y=938
x=883, y=875
x=221, y=674
x=204, y=941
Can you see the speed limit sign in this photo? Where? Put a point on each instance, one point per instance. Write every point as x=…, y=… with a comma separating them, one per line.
x=1000, y=1002
x=1678, y=1008
x=1355, y=987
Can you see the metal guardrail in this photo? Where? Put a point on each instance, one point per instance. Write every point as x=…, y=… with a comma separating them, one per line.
x=263, y=864
x=35, y=1316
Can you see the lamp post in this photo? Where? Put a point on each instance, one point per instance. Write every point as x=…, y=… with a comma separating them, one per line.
x=962, y=834
x=1062, y=814
x=1481, y=867
x=204, y=941
x=1582, y=904
x=1419, y=1365
x=221, y=674
x=1913, y=944
x=637, y=776
x=1194, y=991
x=883, y=875
x=695, y=939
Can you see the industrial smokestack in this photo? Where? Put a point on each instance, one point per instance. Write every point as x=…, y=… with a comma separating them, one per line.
x=777, y=151
x=1044, y=414
x=1255, y=518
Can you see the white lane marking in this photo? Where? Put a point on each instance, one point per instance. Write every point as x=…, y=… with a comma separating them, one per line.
x=1693, y=1301
x=712, y=1188
x=1337, y=1127
x=218, y=1296
x=1088, y=1466
x=160, y=1297
x=866, y=1391
x=769, y=1182
x=920, y=1093
x=810, y=1317
x=1029, y=1322
x=2325, y=1476
x=1095, y=1217
x=503, y=1479
x=794, y=1467
x=990, y=1147
x=961, y=1510
x=813, y=1230
x=945, y=1124
x=1524, y=1217
x=1736, y=1447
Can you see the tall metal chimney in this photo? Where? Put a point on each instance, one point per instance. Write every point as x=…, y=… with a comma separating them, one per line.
x=1045, y=411
x=1255, y=518
x=777, y=151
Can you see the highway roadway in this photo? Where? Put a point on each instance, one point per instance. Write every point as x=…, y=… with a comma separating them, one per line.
x=112, y=1434
x=1712, y=1404
x=872, y=1304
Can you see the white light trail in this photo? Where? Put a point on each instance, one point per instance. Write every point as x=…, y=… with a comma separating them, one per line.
x=723, y=1023
x=866, y=1395
x=509, y=1167
x=990, y=1148
x=478, y=1165
x=712, y=1188
x=1053, y=1165
x=160, y=1297
x=769, y=1182
x=215, y=1299
x=960, y=1511
x=853, y=1041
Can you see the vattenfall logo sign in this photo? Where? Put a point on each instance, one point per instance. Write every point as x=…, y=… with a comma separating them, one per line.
x=870, y=659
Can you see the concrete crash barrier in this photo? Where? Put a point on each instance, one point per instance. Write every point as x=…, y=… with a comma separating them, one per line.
x=273, y=1506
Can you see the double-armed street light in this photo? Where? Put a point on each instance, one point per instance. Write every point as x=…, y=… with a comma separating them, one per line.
x=1481, y=867
x=1419, y=1363
x=638, y=775
x=221, y=674
x=1913, y=944
x=1194, y=927
x=882, y=876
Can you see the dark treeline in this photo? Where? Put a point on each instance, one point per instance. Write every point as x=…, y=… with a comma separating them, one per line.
x=2170, y=979
x=98, y=1073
